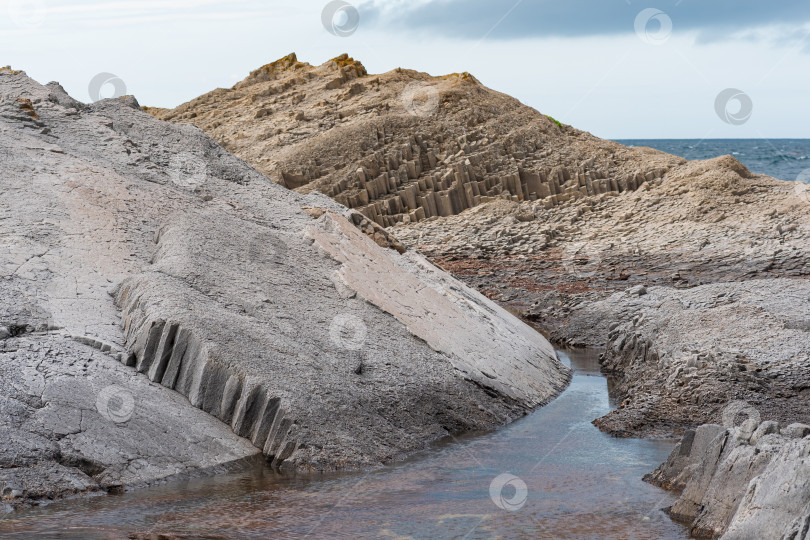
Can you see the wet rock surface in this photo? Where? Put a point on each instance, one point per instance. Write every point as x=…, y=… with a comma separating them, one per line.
x=163, y=313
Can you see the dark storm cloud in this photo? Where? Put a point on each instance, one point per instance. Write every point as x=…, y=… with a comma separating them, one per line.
x=473, y=19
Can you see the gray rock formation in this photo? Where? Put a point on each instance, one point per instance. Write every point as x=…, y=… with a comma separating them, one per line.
x=742, y=482
x=167, y=310
x=681, y=355
x=696, y=285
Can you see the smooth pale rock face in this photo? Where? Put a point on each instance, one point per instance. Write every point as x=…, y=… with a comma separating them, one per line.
x=139, y=254
x=453, y=319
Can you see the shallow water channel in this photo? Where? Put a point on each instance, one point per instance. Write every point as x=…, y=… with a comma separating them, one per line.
x=549, y=475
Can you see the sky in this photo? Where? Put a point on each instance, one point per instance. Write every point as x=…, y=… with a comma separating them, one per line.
x=616, y=68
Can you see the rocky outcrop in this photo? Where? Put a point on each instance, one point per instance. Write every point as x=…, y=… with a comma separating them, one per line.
x=251, y=378
x=166, y=310
x=740, y=482
x=676, y=266
x=697, y=287
x=681, y=355
x=403, y=147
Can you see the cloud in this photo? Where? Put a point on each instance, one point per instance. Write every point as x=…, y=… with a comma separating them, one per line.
x=73, y=15
x=474, y=19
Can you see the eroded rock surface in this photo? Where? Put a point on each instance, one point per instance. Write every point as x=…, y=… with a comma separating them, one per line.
x=162, y=312
x=693, y=274
x=746, y=481
x=403, y=147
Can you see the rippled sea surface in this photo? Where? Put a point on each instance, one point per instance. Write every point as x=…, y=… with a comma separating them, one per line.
x=786, y=159
x=565, y=479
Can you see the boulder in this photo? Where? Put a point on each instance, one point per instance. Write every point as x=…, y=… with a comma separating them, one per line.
x=171, y=311
x=739, y=487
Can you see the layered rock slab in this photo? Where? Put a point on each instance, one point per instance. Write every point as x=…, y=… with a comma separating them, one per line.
x=437, y=308
x=249, y=372
x=224, y=301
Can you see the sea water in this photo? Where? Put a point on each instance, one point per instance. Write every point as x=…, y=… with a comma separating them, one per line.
x=785, y=159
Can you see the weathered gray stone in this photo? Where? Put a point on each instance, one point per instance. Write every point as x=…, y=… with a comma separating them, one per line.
x=685, y=458
x=746, y=430
x=739, y=489
x=776, y=502
x=765, y=428
x=72, y=420
x=796, y=431
x=638, y=290
x=800, y=528
x=232, y=337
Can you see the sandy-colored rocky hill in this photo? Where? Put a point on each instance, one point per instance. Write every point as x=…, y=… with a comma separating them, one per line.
x=166, y=310
x=405, y=146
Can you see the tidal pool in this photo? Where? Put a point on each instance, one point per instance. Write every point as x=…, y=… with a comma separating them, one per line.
x=549, y=475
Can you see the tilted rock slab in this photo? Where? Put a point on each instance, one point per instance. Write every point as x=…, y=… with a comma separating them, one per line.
x=138, y=254
x=437, y=308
